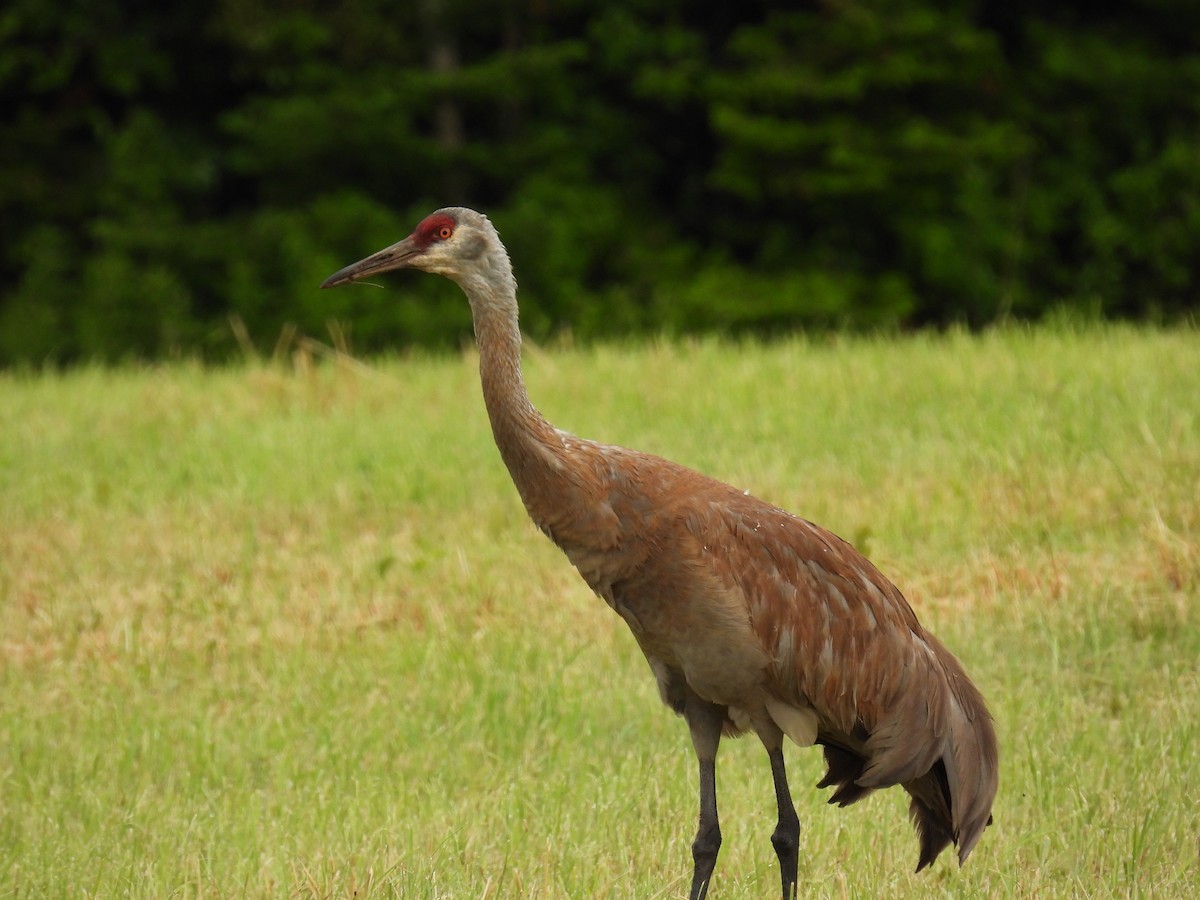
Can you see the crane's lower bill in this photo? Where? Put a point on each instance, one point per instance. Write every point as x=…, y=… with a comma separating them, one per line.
x=397, y=256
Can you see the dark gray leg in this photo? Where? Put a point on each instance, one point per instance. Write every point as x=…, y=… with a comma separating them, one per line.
x=704, y=721
x=786, y=837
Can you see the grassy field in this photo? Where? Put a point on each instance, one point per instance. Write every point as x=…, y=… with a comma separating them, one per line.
x=284, y=629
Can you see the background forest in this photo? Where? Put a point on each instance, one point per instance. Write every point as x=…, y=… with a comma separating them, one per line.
x=653, y=165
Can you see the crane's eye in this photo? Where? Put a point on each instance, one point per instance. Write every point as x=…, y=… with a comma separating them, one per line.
x=444, y=232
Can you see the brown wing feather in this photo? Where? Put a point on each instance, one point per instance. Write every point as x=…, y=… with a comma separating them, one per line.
x=740, y=600
x=843, y=639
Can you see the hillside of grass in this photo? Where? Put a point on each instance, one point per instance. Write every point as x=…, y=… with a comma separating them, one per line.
x=283, y=628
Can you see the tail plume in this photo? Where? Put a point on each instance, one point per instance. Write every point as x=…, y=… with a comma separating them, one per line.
x=952, y=802
x=940, y=746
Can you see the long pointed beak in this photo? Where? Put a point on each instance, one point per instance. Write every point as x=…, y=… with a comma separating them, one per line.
x=397, y=256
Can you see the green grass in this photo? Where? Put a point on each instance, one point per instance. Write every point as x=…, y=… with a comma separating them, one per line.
x=285, y=630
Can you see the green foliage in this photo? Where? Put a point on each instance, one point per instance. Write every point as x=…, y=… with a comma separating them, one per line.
x=652, y=165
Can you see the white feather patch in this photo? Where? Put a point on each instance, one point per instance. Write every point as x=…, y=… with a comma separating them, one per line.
x=798, y=724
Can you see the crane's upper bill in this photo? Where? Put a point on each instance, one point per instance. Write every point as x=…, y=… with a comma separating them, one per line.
x=396, y=256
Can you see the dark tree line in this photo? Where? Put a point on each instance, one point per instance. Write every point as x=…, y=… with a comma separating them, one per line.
x=652, y=164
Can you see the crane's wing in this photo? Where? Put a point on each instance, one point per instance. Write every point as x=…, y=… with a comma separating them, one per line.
x=893, y=704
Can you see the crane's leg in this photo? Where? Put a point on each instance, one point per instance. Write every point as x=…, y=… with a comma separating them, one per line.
x=704, y=721
x=786, y=837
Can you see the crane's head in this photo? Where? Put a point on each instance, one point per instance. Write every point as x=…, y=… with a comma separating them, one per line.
x=455, y=242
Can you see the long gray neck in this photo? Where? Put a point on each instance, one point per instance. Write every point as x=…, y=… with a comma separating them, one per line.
x=563, y=494
x=528, y=444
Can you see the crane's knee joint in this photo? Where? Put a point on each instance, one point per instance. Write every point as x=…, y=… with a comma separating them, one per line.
x=786, y=838
x=707, y=844
x=785, y=842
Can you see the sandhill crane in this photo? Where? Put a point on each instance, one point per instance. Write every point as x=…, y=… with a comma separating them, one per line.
x=750, y=617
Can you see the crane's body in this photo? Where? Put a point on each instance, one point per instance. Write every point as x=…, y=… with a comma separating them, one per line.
x=751, y=618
